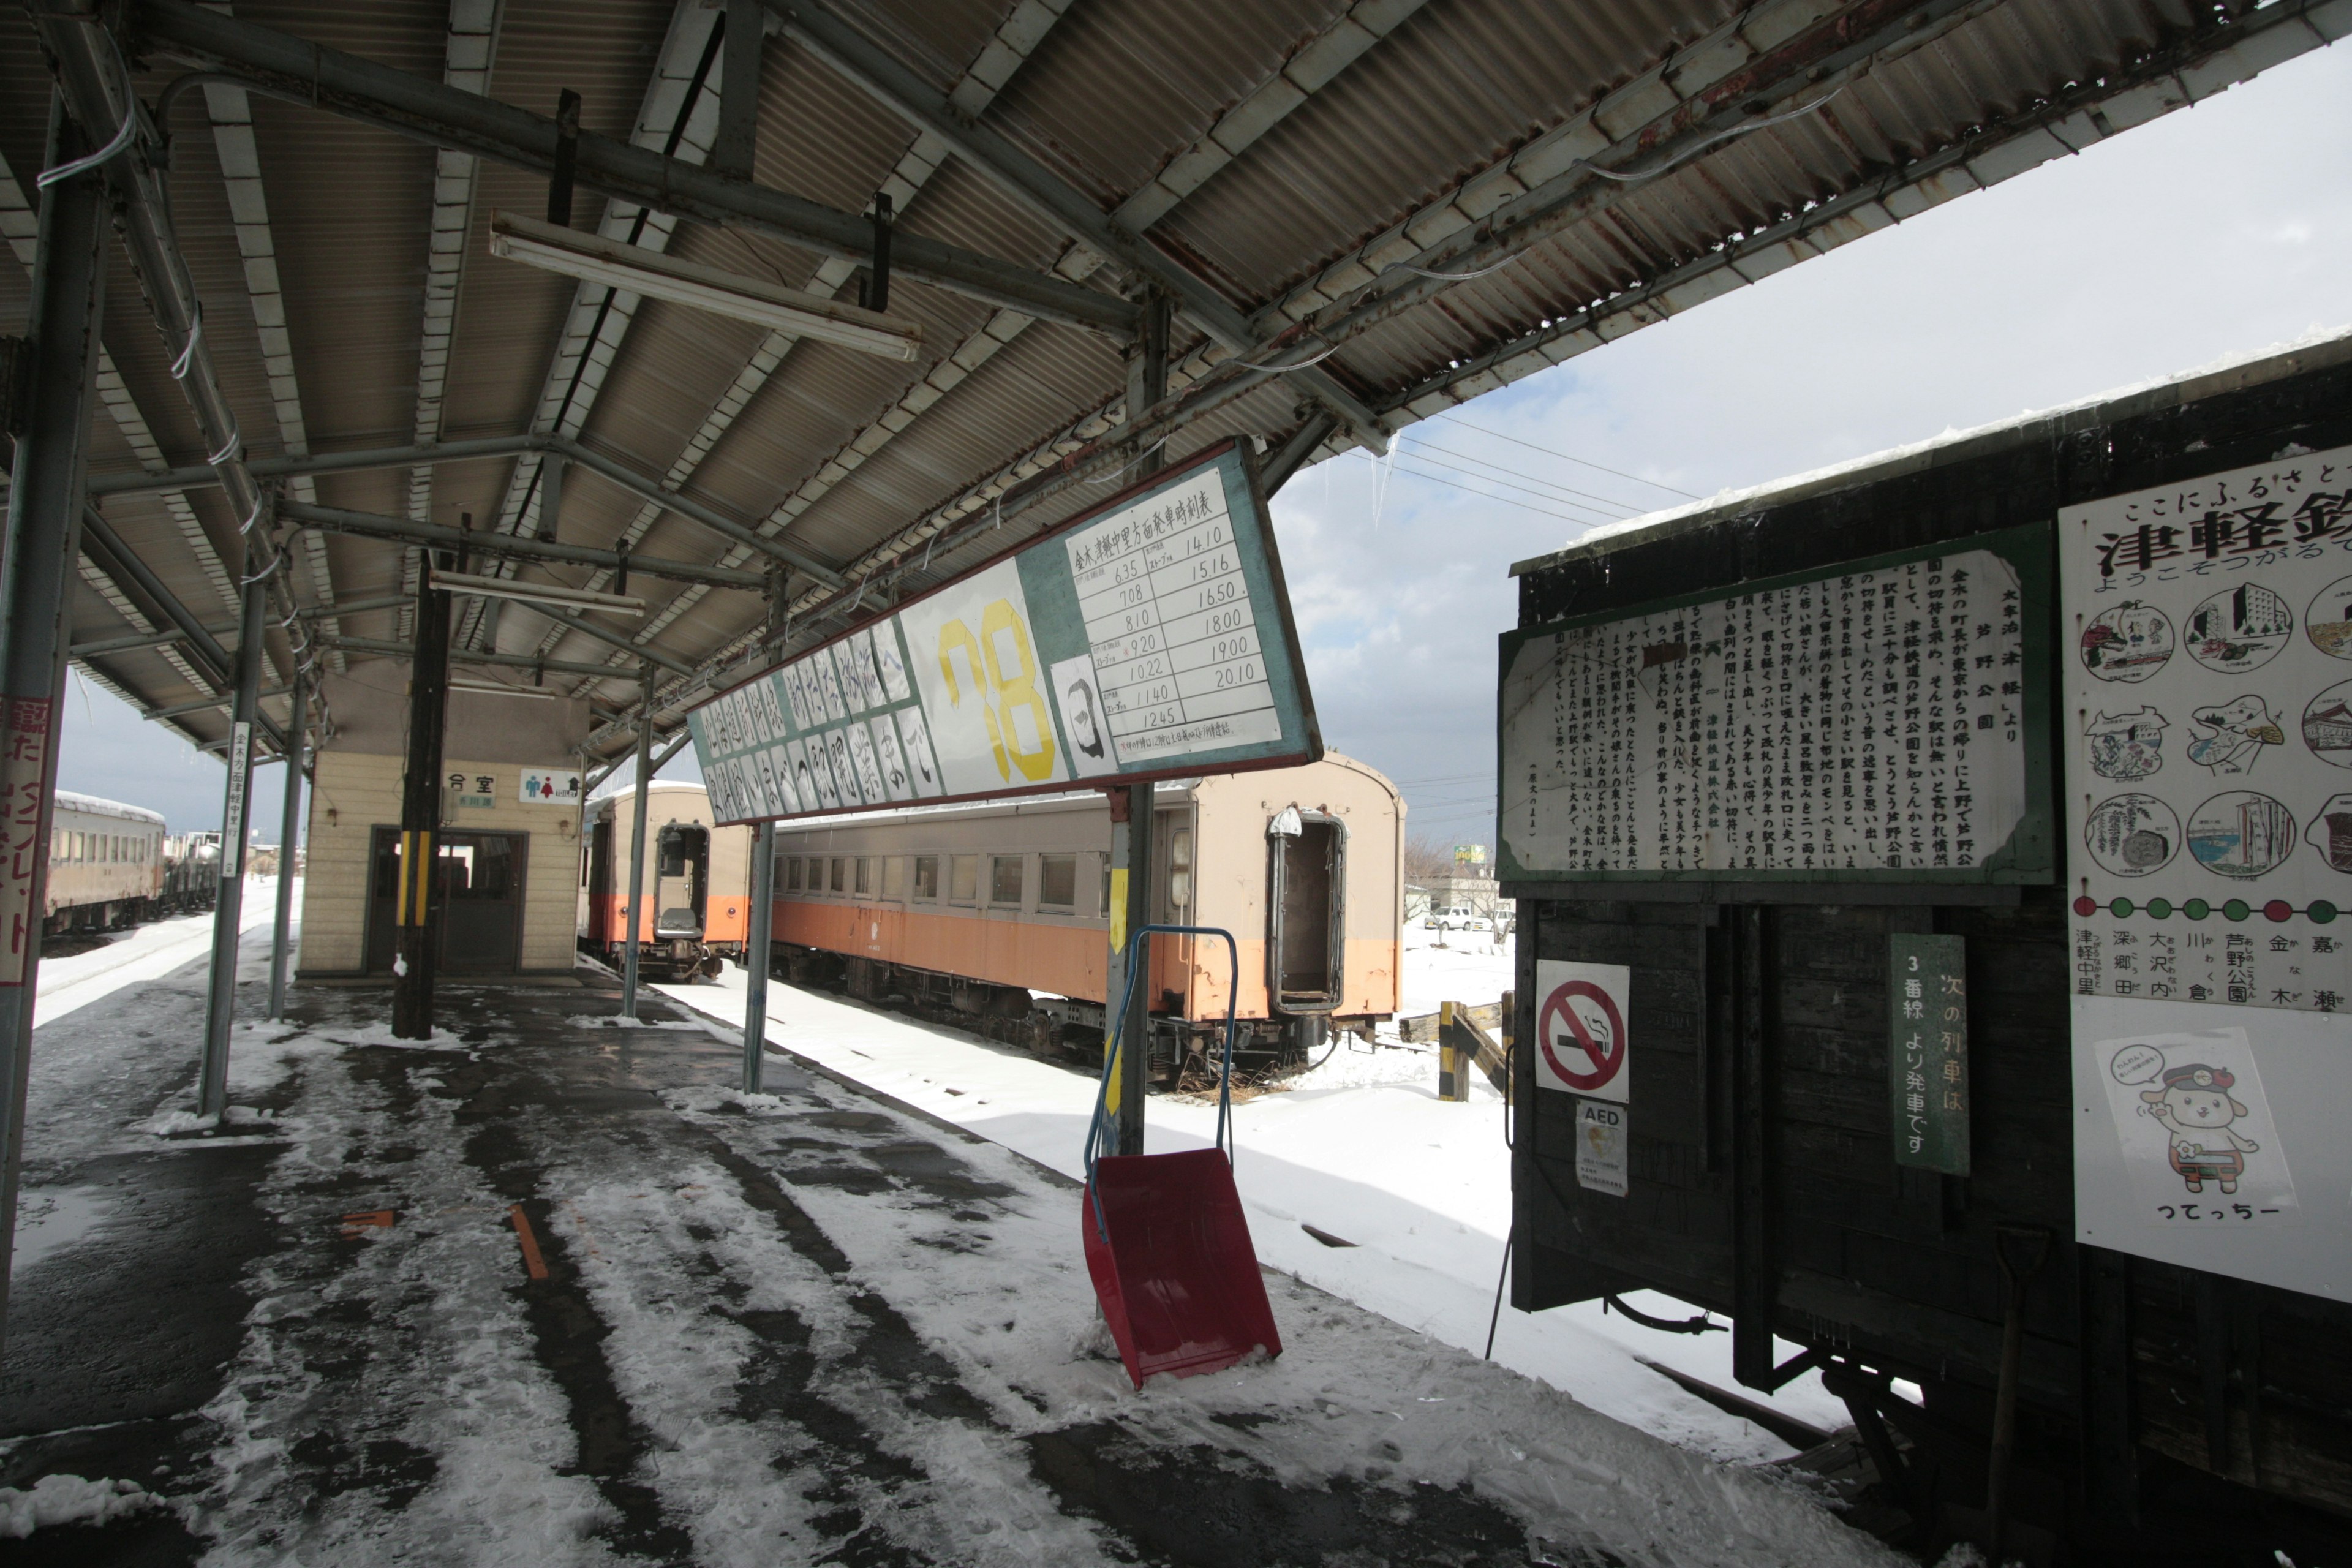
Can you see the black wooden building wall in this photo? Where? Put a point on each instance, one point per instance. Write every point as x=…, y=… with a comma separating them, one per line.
x=1763, y=1183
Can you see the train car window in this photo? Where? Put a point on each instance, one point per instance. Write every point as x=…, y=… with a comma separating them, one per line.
x=672, y=855
x=1005, y=878
x=963, y=879
x=894, y=877
x=840, y=873
x=792, y=878
x=865, y=876
x=927, y=875
x=1057, y=881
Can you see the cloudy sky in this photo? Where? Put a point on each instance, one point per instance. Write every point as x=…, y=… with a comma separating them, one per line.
x=2210, y=233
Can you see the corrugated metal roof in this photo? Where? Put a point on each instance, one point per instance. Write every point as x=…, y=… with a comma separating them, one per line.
x=1302, y=148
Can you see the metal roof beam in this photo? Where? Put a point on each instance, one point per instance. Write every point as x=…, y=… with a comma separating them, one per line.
x=614, y=639
x=111, y=556
x=374, y=525
x=309, y=74
x=1016, y=38
x=461, y=656
x=428, y=453
x=92, y=81
x=1045, y=194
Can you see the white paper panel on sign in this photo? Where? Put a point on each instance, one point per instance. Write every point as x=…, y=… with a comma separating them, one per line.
x=976, y=666
x=2211, y=1138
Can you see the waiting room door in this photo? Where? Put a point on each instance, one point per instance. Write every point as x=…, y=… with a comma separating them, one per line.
x=477, y=901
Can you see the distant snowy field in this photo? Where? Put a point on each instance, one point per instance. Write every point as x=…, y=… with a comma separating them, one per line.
x=1361, y=1149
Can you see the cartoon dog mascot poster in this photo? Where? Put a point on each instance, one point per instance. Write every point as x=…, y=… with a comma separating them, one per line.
x=2196, y=1131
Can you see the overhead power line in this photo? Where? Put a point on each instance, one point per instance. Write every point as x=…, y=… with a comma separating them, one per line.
x=1566, y=457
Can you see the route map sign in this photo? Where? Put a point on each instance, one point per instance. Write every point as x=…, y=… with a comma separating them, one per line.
x=1147, y=639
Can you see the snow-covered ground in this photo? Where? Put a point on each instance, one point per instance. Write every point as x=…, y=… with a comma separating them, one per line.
x=1360, y=1149
x=145, y=952
x=742, y=1244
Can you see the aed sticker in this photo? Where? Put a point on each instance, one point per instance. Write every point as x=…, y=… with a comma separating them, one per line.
x=1581, y=1028
x=1600, y=1147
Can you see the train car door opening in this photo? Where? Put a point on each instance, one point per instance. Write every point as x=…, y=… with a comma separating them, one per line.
x=1307, y=938
x=681, y=880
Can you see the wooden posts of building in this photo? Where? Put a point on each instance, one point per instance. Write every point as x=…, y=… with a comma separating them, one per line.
x=420, y=814
x=228, y=907
x=755, y=953
x=281, y=935
x=631, y=942
x=45, y=505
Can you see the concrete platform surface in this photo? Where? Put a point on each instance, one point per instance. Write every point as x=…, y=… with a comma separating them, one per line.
x=550, y=1291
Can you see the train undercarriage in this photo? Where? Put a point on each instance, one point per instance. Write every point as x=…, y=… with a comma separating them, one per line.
x=1183, y=1051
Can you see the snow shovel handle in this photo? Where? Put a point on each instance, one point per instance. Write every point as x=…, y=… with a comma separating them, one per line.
x=1137, y=948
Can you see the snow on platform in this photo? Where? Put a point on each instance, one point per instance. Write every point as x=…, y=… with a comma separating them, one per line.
x=812, y=1325
x=1360, y=1149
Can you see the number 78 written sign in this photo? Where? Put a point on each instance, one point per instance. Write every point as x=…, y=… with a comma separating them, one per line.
x=1148, y=637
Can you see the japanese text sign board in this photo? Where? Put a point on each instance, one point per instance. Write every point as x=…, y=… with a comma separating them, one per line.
x=1881, y=722
x=1927, y=1051
x=2210, y=694
x=23, y=793
x=1149, y=637
x=2207, y=717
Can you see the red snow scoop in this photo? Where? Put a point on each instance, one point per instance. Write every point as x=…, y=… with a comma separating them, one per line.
x=1166, y=1240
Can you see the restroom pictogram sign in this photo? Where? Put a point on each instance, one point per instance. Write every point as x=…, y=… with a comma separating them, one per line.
x=1582, y=1036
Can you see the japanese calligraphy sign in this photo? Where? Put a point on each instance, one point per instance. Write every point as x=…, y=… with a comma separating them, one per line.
x=1151, y=637
x=1927, y=1051
x=1880, y=722
x=23, y=787
x=2208, y=710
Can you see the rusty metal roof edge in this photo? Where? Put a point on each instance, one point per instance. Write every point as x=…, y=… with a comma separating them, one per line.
x=2317, y=352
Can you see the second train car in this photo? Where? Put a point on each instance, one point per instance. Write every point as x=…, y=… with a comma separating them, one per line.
x=998, y=913
x=694, y=909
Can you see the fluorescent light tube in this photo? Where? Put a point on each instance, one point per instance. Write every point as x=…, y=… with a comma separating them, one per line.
x=595, y=260
x=538, y=593
x=497, y=688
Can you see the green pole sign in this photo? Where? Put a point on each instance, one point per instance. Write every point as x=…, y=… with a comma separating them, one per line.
x=1927, y=1051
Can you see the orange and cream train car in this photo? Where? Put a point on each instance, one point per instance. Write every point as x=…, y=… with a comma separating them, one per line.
x=997, y=913
x=695, y=905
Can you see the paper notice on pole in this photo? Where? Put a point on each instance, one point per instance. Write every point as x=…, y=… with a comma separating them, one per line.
x=241, y=775
x=24, y=783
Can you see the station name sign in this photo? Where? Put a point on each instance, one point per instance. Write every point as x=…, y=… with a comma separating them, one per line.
x=1149, y=637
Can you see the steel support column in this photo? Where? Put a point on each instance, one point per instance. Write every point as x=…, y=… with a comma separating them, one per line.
x=420, y=814
x=1135, y=1031
x=755, y=953
x=1147, y=383
x=220, y=995
x=629, y=941
x=281, y=935
x=37, y=570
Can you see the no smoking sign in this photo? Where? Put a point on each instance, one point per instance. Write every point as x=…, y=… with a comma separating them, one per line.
x=1581, y=1028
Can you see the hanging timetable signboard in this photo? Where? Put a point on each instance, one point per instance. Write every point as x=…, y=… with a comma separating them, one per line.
x=1881, y=722
x=1149, y=637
